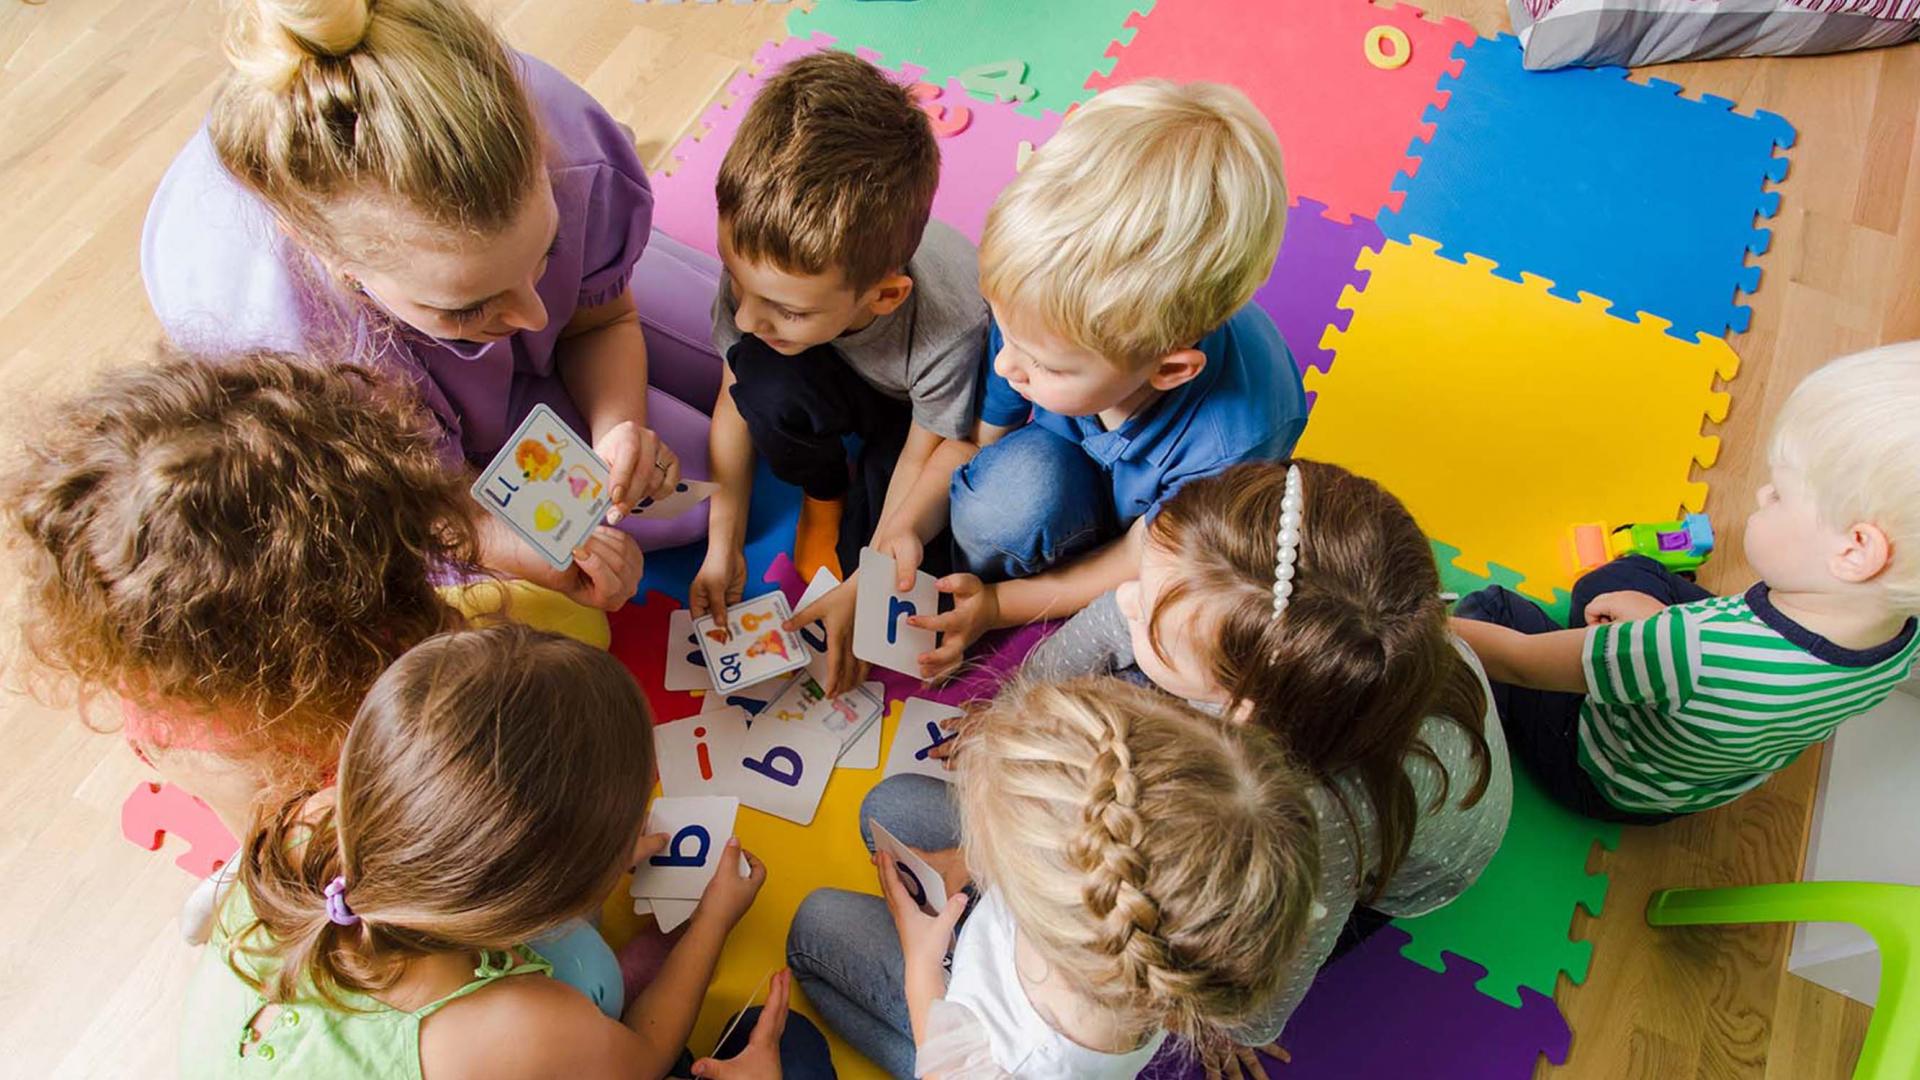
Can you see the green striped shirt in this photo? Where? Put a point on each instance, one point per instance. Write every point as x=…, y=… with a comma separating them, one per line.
x=1702, y=702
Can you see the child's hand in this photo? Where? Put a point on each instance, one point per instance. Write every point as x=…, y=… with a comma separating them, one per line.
x=924, y=938
x=605, y=572
x=761, y=1059
x=728, y=896
x=641, y=465
x=906, y=550
x=976, y=610
x=1622, y=606
x=1243, y=1062
x=722, y=580
x=835, y=612
x=949, y=748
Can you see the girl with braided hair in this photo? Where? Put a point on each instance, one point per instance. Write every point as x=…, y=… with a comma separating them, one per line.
x=1301, y=598
x=1137, y=869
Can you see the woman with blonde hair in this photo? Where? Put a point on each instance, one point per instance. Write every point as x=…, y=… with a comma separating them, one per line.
x=1143, y=869
x=388, y=175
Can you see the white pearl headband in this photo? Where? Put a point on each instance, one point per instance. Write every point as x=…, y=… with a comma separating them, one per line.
x=1288, y=554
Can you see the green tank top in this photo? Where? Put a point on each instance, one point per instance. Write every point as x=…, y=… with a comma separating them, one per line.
x=308, y=1038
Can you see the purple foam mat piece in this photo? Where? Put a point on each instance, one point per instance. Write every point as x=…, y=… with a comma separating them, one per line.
x=1374, y=1013
x=1316, y=265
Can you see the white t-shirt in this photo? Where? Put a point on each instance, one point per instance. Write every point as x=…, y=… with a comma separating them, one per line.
x=986, y=1028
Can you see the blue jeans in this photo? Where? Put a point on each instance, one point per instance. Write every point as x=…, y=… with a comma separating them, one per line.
x=804, y=1054
x=1028, y=502
x=840, y=947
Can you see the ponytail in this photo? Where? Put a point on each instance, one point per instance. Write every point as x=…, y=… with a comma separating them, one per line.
x=414, y=100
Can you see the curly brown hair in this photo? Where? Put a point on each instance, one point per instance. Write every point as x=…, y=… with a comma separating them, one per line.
x=242, y=544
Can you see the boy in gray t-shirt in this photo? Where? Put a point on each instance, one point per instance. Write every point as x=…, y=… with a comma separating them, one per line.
x=843, y=312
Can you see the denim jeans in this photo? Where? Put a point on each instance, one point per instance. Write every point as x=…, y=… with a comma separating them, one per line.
x=804, y=1054
x=1028, y=502
x=1543, y=726
x=842, y=947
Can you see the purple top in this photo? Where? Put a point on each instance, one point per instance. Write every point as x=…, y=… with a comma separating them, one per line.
x=221, y=275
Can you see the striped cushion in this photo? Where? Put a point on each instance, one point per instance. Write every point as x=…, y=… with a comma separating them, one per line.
x=1560, y=33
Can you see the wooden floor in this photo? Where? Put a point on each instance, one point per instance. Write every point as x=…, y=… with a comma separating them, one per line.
x=97, y=95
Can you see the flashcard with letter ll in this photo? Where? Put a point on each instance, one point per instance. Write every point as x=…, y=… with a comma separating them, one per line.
x=923, y=882
x=881, y=634
x=548, y=485
x=697, y=830
x=922, y=727
x=700, y=755
x=752, y=647
x=784, y=768
x=685, y=495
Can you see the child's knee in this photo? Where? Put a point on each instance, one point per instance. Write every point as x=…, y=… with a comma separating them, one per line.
x=1023, y=493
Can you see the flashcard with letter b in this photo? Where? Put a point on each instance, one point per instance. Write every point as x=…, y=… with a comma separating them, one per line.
x=697, y=830
x=923, y=882
x=881, y=634
x=784, y=768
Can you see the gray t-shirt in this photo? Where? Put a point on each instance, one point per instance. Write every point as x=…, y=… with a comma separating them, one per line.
x=927, y=351
x=1451, y=845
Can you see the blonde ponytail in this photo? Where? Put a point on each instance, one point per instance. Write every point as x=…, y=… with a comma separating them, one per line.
x=416, y=101
x=1163, y=861
x=268, y=40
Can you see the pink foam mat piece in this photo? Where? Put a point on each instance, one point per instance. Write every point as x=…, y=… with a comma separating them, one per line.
x=155, y=811
x=976, y=161
x=1344, y=124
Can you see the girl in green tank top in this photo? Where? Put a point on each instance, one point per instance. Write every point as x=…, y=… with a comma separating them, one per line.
x=493, y=785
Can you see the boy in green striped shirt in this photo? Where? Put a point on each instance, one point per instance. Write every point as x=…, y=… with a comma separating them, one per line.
x=1665, y=699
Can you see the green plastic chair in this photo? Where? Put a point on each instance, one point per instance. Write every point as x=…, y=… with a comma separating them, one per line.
x=1891, y=913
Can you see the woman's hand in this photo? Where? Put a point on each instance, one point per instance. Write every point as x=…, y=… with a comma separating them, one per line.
x=640, y=463
x=605, y=572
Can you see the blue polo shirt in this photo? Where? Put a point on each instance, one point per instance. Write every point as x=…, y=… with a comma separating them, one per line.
x=1247, y=404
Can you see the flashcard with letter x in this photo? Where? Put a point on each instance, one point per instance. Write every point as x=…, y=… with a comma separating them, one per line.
x=922, y=727
x=881, y=634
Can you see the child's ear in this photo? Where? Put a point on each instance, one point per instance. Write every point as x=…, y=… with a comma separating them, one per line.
x=1177, y=369
x=1864, y=552
x=892, y=291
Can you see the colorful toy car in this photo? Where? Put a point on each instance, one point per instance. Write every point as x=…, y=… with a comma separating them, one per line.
x=1679, y=546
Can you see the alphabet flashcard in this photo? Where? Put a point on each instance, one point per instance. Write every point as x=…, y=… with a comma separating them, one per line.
x=864, y=752
x=881, y=634
x=752, y=647
x=784, y=768
x=700, y=755
x=846, y=717
x=697, y=829
x=685, y=495
x=815, y=632
x=686, y=661
x=923, y=882
x=548, y=485
x=921, y=729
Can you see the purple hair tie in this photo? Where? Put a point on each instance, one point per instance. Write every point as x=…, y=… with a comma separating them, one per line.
x=337, y=909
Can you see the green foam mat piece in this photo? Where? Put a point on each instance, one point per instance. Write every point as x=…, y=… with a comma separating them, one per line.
x=1061, y=42
x=1455, y=580
x=1516, y=920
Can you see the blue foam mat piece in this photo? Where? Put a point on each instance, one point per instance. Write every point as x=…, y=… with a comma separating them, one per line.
x=772, y=515
x=1599, y=184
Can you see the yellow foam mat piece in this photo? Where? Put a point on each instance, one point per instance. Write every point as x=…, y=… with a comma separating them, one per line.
x=800, y=859
x=1502, y=415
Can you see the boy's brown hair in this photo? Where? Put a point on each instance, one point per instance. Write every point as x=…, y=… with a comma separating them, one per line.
x=834, y=168
x=493, y=785
x=242, y=544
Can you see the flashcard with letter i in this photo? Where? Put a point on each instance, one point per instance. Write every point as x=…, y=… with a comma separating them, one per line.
x=700, y=755
x=548, y=485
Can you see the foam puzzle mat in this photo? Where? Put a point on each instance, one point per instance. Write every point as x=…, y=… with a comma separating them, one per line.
x=1507, y=293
